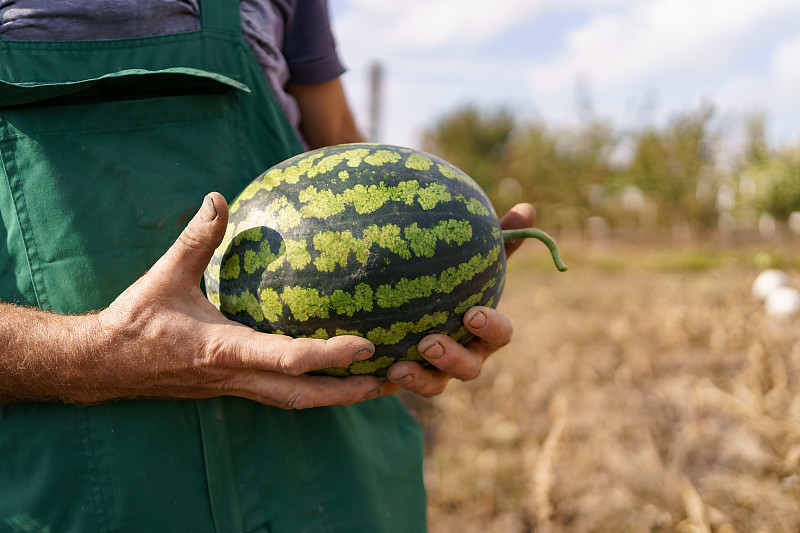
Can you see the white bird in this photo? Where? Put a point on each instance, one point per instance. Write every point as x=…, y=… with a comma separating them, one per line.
x=767, y=281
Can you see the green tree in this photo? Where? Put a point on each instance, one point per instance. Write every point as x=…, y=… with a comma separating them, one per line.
x=557, y=170
x=528, y=161
x=473, y=140
x=777, y=181
x=675, y=166
x=756, y=148
x=775, y=173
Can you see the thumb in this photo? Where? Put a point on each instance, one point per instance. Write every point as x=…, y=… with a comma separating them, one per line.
x=186, y=260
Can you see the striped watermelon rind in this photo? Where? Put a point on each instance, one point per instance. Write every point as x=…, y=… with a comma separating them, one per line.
x=380, y=241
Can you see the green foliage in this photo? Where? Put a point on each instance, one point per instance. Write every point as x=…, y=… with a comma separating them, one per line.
x=561, y=168
x=669, y=175
x=513, y=160
x=474, y=141
x=673, y=166
x=776, y=177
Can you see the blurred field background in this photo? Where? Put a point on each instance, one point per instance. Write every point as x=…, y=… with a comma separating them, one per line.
x=645, y=389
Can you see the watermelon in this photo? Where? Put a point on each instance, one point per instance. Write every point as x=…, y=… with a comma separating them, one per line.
x=380, y=241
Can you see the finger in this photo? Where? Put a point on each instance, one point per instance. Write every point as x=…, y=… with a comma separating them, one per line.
x=388, y=388
x=491, y=329
x=306, y=355
x=519, y=216
x=235, y=346
x=451, y=357
x=413, y=377
x=304, y=392
x=188, y=257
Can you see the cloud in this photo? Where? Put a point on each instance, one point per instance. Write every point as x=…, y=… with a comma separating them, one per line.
x=774, y=90
x=785, y=71
x=387, y=26
x=656, y=40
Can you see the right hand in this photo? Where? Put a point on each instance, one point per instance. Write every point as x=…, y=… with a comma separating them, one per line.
x=162, y=338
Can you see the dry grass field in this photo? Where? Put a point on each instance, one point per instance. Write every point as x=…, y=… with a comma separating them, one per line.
x=643, y=391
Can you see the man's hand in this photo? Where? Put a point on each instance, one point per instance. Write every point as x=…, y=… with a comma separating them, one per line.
x=162, y=338
x=450, y=359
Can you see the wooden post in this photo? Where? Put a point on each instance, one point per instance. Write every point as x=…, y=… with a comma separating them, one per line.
x=375, y=87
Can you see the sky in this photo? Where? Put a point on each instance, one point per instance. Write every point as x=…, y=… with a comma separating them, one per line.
x=632, y=62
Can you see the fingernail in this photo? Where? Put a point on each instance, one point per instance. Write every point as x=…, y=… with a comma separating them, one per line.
x=434, y=351
x=371, y=394
x=363, y=355
x=208, y=211
x=478, y=320
x=407, y=379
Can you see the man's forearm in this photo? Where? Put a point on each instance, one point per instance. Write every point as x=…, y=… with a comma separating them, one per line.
x=46, y=356
x=326, y=118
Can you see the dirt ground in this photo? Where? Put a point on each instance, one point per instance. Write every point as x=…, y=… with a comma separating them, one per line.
x=641, y=392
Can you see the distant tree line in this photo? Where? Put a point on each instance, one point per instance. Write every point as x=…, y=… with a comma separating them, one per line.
x=681, y=174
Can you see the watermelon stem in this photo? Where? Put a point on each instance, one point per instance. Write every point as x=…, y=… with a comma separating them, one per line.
x=536, y=233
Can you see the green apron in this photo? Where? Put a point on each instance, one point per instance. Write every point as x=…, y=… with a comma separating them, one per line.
x=107, y=149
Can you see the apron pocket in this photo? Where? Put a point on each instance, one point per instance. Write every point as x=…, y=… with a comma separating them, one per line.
x=116, y=85
x=99, y=187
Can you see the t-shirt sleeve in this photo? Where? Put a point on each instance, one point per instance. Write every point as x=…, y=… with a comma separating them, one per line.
x=309, y=46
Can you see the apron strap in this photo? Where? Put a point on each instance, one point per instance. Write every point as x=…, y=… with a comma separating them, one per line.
x=220, y=15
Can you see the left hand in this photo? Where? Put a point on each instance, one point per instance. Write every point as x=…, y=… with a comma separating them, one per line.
x=492, y=331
